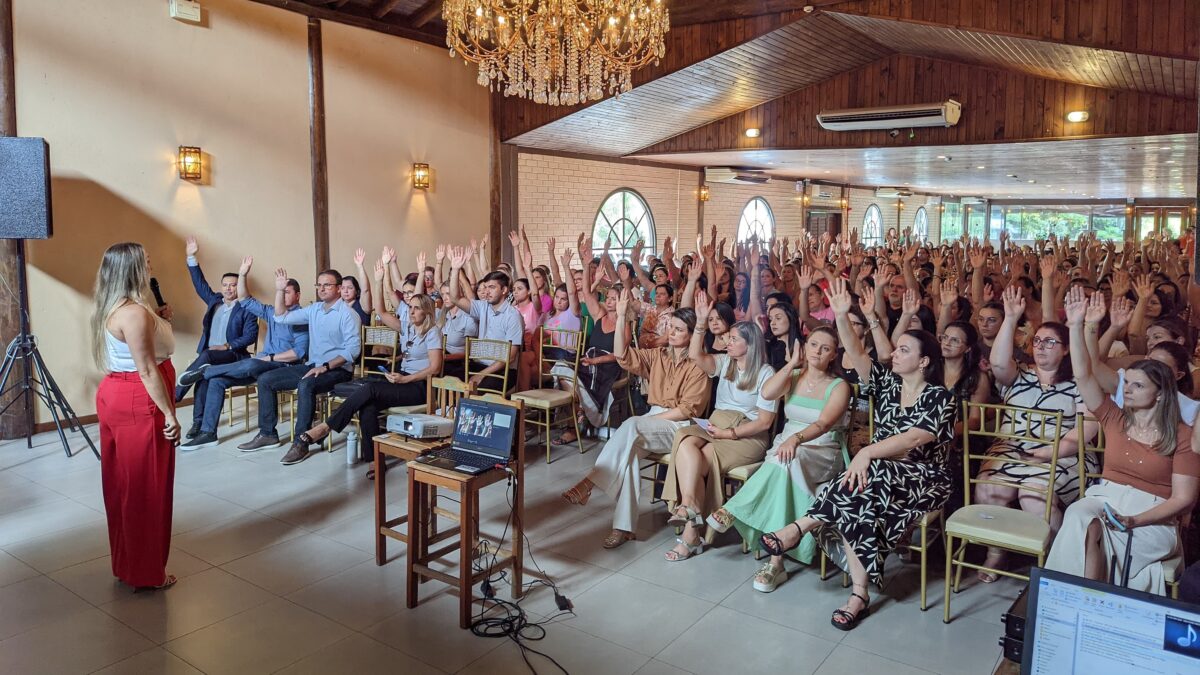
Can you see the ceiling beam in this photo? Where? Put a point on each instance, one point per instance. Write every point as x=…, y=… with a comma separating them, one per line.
x=428, y=12
x=385, y=7
x=357, y=18
x=703, y=12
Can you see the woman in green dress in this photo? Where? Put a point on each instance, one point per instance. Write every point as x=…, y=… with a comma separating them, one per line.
x=806, y=453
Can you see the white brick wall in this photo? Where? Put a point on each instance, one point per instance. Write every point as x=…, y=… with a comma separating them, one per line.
x=726, y=201
x=860, y=200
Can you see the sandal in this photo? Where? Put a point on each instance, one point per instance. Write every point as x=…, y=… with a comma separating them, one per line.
x=692, y=550
x=987, y=577
x=774, y=545
x=618, y=537
x=690, y=516
x=850, y=621
x=720, y=520
x=769, y=577
x=580, y=496
x=171, y=579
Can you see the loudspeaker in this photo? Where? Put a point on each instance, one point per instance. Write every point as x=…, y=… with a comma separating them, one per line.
x=25, y=189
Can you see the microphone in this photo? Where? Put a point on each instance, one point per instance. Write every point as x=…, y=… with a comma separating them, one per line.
x=157, y=293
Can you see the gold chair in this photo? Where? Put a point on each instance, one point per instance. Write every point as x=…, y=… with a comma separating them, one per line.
x=488, y=350
x=564, y=348
x=369, y=363
x=1011, y=529
x=246, y=391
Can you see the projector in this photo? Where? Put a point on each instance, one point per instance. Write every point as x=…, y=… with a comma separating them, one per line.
x=420, y=426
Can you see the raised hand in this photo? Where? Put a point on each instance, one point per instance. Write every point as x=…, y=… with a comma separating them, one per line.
x=1143, y=286
x=379, y=271
x=623, y=304
x=515, y=240
x=1120, y=283
x=457, y=258
x=1121, y=312
x=1095, y=308
x=421, y=262
x=247, y=263
x=440, y=252
x=805, y=278
x=795, y=355
x=694, y=270
x=566, y=256
x=910, y=303
x=1076, y=305
x=191, y=247
x=388, y=255
x=989, y=293
x=359, y=256
x=838, y=296
x=1014, y=302
x=704, y=306
x=281, y=279
x=551, y=245
x=584, y=248
x=1048, y=265
x=977, y=256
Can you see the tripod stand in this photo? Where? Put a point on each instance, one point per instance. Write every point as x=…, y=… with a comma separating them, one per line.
x=36, y=380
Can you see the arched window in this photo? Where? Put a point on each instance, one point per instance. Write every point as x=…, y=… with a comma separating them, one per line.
x=921, y=225
x=757, y=219
x=872, y=228
x=623, y=218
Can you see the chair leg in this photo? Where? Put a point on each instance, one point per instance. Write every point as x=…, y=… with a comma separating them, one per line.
x=924, y=570
x=575, y=421
x=549, y=416
x=962, y=554
x=949, y=567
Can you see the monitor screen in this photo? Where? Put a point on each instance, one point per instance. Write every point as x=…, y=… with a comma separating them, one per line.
x=1076, y=625
x=485, y=427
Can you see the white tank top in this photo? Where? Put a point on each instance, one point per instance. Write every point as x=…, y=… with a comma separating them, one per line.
x=120, y=359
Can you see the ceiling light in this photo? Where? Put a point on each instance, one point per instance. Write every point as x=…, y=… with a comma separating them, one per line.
x=1077, y=116
x=1011, y=175
x=1031, y=181
x=940, y=157
x=753, y=132
x=981, y=167
x=1170, y=161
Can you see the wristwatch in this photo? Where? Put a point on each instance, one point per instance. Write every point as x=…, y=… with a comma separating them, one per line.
x=326, y=366
x=272, y=357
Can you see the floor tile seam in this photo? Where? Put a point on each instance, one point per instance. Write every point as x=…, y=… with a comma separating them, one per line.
x=164, y=644
x=72, y=613
x=57, y=569
x=295, y=590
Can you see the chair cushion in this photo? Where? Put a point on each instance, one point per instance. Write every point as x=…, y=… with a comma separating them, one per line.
x=1172, y=567
x=418, y=409
x=1001, y=526
x=743, y=472
x=544, y=398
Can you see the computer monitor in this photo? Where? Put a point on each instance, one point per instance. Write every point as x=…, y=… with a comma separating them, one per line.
x=485, y=427
x=1075, y=625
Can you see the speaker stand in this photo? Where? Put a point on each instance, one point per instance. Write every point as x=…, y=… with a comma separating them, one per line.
x=36, y=382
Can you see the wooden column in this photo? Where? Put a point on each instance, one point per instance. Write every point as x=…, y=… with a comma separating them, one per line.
x=316, y=139
x=14, y=423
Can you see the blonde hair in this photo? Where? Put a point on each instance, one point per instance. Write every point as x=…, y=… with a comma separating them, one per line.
x=124, y=276
x=426, y=304
x=747, y=378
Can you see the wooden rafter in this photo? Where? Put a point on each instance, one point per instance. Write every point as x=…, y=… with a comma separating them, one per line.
x=428, y=12
x=360, y=18
x=385, y=7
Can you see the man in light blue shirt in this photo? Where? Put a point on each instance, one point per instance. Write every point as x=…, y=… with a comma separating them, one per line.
x=498, y=320
x=334, y=341
x=286, y=344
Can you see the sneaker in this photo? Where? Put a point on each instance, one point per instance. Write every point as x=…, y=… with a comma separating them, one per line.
x=193, y=376
x=295, y=454
x=193, y=432
x=200, y=441
x=769, y=577
x=259, y=442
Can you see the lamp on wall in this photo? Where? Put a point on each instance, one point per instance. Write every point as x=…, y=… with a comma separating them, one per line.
x=845, y=202
x=753, y=132
x=420, y=176
x=1076, y=116
x=703, y=193
x=189, y=163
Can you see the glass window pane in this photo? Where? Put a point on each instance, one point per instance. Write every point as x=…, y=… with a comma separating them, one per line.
x=623, y=218
x=872, y=230
x=757, y=220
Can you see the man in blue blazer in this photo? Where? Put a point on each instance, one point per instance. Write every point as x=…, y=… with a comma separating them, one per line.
x=229, y=331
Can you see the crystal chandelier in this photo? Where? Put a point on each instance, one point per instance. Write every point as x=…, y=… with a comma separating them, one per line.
x=559, y=52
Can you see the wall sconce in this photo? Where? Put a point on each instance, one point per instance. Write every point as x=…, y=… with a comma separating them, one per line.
x=753, y=132
x=189, y=163
x=420, y=176
x=703, y=193
x=1076, y=116
x=845, y=203
x=805, y=199
x=900, y=204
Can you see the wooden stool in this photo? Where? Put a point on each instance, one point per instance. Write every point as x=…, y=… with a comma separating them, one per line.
x=406, y=449
x=423, y=482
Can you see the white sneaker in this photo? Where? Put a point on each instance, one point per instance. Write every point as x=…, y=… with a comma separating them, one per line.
x=769, y=577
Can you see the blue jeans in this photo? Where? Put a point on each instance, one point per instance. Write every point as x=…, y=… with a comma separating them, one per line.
x=210, y=356
x=210, y=391
x=307, y=388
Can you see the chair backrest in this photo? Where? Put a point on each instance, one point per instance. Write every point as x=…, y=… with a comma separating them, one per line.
x=444, y=393
x=1086, y=446
x=378, y=336
x=489, y=350
x=995, y=425
x=560, y=345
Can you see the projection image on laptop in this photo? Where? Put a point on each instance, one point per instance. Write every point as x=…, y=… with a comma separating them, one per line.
x=1075, y=625
x=483, y=437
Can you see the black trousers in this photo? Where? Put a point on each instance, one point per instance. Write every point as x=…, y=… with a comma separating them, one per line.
x=214, y=357
x=367, y=397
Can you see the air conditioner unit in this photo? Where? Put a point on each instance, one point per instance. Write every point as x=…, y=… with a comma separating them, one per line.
x=816, y=191
x=943, y=114
x=892, y=193
x=728, y=174
x=970, y=200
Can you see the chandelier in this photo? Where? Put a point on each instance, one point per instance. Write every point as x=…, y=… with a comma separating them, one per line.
x=559, y=52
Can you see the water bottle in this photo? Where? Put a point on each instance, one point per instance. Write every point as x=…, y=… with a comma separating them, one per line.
x=351, y=447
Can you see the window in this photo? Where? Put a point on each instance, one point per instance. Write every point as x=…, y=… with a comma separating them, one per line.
x=952, y=221
x=623, y=219
x=921, y=225
x=757, y=220
x=872, y=229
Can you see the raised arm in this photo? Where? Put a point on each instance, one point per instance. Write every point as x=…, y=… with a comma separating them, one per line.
x=556, y=273
x=754, y=306
x=395, y=276
x=1004, y=368
x=945, y=303
x=387, y=318
x=1138, y=324
x=839, y=301
x=572, y=294
x=910, y=303
x=457, y=259
x=696, y=352
x=688, y=298
x=518, y=260
x=364, y=297
x=978, y=258
x=805, y=281
x=779, y=384
x=281, y=278
x=1105, y=375
x=620, y=338
x=1048, y=266
x=1089, y=388
x=439, y=274
x=595, y=309
x=244, y=270
x=639, y=272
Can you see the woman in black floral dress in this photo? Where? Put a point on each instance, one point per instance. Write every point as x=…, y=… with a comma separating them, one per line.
x=895, y=480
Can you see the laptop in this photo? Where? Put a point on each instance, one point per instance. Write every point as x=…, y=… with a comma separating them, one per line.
x=483, y=438
x=1075, y=625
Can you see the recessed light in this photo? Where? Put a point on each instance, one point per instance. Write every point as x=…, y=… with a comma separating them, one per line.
x=940, y=157
x=1031, y=181
x=828, y=172
x=1011, y=175
x=753, y=132
x=1170, y=161
x=981, y=167
x=1077, y=116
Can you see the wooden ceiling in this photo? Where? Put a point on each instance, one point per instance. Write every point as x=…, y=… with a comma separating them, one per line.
x=1100, y=168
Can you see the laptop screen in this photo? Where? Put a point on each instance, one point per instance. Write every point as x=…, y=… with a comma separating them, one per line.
x=485, y=427
x=1075, y=625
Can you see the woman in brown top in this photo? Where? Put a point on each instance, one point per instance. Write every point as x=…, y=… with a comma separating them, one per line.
x=1151, y=476
x=678, y=392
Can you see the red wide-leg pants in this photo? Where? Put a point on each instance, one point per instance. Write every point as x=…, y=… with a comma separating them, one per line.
x=137, y=469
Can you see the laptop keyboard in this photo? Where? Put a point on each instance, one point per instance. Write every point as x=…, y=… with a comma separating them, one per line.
x=463, y=457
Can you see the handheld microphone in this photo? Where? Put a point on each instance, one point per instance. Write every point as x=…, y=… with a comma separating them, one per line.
x=157, y=293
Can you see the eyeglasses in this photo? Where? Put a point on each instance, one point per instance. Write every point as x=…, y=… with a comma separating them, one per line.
x=320, y=286
x=1047, y=343
x=950, y=340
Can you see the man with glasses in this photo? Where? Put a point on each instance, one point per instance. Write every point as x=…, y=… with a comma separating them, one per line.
x=227, y=331
x=334, y=342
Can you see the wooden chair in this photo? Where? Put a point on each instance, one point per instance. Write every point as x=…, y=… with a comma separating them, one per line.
x=489, y=350
x=1011, y=529
x=557, y=348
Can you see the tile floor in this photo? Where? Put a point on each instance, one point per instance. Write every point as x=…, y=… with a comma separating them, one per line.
x=277, y=575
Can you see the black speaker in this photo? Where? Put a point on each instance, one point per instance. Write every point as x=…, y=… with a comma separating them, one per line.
x=25, y=189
